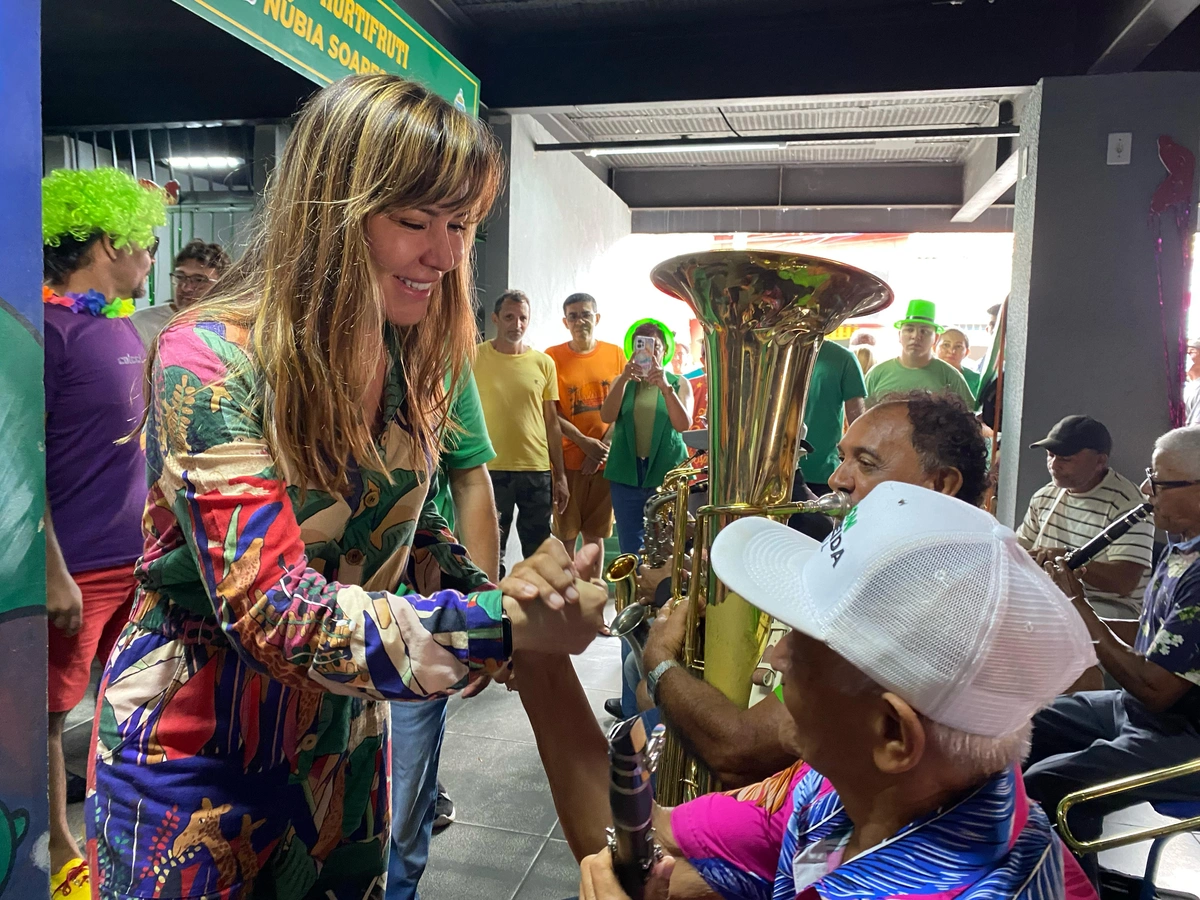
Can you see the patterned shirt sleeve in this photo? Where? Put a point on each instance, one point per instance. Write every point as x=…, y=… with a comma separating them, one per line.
x=284, y=618
x=1176, y=644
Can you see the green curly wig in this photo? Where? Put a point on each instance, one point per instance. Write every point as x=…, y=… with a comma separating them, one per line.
x=80, y=203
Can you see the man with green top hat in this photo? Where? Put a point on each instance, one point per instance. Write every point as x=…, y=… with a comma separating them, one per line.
x=916, y=368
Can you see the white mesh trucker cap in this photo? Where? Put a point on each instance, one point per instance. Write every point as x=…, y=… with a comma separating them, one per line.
x=930, y=597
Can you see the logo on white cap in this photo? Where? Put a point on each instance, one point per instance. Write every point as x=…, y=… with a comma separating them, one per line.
x=928, y=596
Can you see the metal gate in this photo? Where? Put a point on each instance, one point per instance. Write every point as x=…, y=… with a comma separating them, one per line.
x=214, y=171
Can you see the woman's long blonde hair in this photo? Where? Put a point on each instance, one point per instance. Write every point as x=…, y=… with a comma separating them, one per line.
x=362, y=146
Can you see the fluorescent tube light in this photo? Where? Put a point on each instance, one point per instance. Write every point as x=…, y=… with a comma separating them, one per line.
x=205, y=162
x=698, y=146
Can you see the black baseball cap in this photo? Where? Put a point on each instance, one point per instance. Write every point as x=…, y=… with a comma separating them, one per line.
x=1075, y=433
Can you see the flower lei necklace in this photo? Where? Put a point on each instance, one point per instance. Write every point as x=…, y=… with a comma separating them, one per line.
x=93, y=303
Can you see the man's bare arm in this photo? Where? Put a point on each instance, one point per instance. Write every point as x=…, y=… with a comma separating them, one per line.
x=854, y=408
x=1120, y=577
x=574, y=750
x=741, y=746
x=475, y=514
x=64, y=600
x=1157, y=688
x=553, y=437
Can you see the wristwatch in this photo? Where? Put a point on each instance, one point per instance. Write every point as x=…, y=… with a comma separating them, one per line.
x=506, y=634
x=654, y=676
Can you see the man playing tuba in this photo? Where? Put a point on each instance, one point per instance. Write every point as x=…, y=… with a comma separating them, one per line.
x=926, y=439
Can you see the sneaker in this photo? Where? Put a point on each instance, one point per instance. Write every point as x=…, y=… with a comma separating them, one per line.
x=72, y=881
x=612, y=706
x=443, y=809
x=76, y=788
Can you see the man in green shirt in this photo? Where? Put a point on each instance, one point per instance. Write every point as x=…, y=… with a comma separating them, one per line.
x=916, y=368
x=953, y=347
x=836, y=385
x=462, y=492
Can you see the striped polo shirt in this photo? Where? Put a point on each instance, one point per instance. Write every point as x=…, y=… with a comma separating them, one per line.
x=1059, y=518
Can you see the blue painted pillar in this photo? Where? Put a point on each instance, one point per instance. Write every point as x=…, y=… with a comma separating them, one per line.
x=24, y=832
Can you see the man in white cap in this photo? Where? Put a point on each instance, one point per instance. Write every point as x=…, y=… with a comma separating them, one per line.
x=924, y=640
x=927, y=439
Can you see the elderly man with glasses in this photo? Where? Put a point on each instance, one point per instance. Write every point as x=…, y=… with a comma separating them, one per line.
x=1154, y=719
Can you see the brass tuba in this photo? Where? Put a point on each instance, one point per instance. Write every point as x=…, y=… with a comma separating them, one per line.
x=765, y=315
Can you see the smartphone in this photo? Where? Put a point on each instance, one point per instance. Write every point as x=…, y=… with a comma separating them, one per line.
x=643, y=352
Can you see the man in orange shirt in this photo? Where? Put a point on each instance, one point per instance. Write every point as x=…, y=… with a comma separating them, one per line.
x=586, y=368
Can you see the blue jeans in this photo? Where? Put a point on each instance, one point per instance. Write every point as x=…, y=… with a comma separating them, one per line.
x=417, y=730
x=629, y=504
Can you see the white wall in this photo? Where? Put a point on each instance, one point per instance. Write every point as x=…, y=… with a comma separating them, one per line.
x=561, y=219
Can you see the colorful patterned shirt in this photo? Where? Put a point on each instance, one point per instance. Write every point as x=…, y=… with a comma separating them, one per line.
x=1169, y=630
x=785, y=837
x=240, y=751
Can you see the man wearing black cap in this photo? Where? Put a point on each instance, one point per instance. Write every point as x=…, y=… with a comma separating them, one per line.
x=1083, y=497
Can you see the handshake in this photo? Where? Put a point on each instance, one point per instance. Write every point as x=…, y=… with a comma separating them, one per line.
x=555, y=605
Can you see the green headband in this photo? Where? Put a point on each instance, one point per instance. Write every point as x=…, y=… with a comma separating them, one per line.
x=668, y=352
x=78, y=203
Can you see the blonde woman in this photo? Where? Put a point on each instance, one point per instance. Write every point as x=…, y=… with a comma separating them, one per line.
x=294, y=572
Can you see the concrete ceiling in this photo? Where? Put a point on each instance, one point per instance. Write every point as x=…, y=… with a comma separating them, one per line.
x=603, y=71
x=756, y=119
x=136, y=61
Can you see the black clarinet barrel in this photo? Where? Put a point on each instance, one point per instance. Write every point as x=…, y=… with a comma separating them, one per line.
x=1116, y=529
x=631, y=756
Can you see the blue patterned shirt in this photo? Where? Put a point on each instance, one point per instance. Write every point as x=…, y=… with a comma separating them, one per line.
x=1169, y=629
x=784, y=839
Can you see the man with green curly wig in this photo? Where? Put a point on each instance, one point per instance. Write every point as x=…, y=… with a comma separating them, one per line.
x=98, y=247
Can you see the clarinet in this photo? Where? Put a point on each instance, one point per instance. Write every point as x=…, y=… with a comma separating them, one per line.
x=632, y=758
x=1116, y=529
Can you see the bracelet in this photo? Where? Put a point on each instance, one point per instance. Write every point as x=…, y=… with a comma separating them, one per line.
x=656, y=675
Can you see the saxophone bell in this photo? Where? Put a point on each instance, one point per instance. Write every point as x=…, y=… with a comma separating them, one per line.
x=632, y=625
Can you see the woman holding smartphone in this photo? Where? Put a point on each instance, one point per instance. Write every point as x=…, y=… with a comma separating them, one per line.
x=649, y=417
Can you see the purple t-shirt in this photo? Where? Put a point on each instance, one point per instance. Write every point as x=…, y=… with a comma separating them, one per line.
x=96, y=487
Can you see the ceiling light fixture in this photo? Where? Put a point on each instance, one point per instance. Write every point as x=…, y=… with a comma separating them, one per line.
x=990, y=191
x=697, y=147
x=205, y=162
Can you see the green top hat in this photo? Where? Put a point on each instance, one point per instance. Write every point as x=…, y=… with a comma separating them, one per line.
x=921, y=312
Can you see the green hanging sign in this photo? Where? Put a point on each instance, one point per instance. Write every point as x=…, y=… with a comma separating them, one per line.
x=325, y=40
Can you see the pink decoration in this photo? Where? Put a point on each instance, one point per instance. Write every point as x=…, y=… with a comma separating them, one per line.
x=1174, y=193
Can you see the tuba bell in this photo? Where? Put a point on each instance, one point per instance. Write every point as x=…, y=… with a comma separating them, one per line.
x=764, y=315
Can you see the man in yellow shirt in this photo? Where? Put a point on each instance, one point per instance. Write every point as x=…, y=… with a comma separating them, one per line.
x=586, y=368
x=518, y=387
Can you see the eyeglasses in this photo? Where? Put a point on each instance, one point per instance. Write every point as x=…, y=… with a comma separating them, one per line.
x=196, y=281
x=1156, y=485
x=153, y=248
